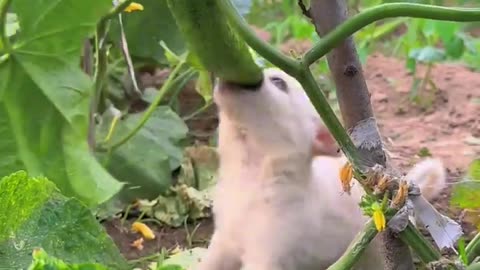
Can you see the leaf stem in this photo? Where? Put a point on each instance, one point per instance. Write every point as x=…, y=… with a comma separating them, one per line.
x=267, y=51
x=412, y=237
x=99, y=77
x=356, y=248
x=4, y=42
x=473, y=248
x=384, y=11
x=198, y=111
x=166, y=88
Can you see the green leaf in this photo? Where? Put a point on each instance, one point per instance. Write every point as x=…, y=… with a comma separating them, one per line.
x=146, y=161
x=149, y=94
x=43, y=261
x=466, y=194
x=411, y=65
x=446, y=30
x=146, y=29
x=429, y=29
x=35, y=215
x=427, y=54
x=455, y=47
x=44, y=98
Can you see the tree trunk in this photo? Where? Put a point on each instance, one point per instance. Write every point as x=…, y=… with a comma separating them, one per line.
x=354, y=101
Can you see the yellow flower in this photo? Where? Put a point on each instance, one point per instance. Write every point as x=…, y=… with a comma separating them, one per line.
x=378, y=217
x=133, y=7
x=143, y=229
x=346, y=175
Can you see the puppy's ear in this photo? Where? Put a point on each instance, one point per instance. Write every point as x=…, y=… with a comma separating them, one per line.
x=323, y=143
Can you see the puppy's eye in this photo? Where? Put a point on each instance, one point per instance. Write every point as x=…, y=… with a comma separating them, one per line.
x=279, y=83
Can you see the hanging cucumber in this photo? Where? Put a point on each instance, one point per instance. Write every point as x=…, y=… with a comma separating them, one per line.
x=211, y=39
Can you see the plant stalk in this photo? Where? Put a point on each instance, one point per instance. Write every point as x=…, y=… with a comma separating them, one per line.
x=412, y=237
x=368, y=16
x=473, y=248
x=99, y=77
x=355, y=250
x=101, y=66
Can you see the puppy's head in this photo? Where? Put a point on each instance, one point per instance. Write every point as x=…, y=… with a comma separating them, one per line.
x=276, y=116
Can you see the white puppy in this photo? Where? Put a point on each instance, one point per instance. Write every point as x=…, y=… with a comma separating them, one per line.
x=278, y=204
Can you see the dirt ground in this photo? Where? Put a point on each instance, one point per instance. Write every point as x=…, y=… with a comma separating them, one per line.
x=446, y=129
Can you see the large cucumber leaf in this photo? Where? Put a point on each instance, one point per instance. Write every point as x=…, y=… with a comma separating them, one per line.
x=36, y=215
x=44, y=98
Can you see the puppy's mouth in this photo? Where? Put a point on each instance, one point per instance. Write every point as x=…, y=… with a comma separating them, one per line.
x=223, y=86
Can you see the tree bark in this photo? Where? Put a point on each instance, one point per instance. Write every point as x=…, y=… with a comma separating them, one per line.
x=354, y=101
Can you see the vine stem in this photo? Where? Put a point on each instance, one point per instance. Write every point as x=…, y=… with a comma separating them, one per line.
x=4, y=42
x=355, y=250
x=413, y=238
x=166, y=87
x=368, y=16
x=198, y=111
x=99, y=77
x=473, y=248
x=101, y=65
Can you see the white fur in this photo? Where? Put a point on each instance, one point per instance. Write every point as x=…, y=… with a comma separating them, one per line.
x=276, y=206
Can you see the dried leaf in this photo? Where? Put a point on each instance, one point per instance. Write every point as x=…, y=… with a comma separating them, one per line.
x=138, y=244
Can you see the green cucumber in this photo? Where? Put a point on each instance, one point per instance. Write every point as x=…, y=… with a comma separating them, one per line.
x=214, y=42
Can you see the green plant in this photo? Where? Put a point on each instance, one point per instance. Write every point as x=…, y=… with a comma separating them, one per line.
x=47, y=103
x=36, y=215
x=300, y=70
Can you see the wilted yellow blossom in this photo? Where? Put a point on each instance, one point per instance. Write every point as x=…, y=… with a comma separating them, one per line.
x=382, y=185
x=346, y=175
x=143, y=229
x=134, y=7
x=401, y=195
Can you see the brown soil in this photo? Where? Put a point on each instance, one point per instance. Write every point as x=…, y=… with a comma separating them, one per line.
x=443, y=129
